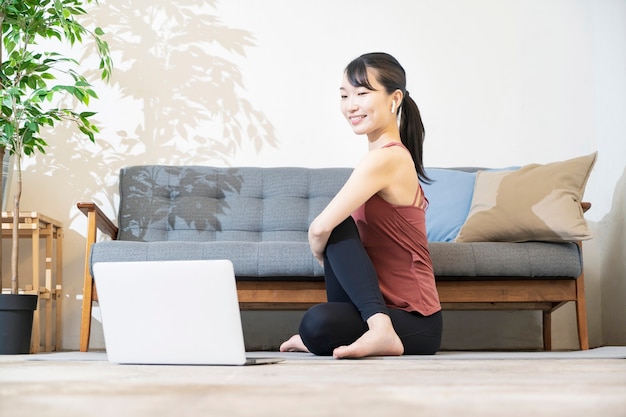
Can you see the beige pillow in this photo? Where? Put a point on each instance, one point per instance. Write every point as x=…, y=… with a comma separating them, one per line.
x=535, y=202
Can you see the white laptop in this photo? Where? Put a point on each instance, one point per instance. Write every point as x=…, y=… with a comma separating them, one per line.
x=171, y=312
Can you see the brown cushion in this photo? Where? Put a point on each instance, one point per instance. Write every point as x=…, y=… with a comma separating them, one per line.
x=535, y=202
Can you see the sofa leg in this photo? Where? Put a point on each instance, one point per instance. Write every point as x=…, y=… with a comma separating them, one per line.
x=85, y=322
x=547, y=330
x=88, y=284
x=581, y=313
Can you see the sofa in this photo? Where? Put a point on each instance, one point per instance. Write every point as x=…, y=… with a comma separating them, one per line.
x=258, y=218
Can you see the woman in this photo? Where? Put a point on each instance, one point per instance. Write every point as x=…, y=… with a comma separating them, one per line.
x=371, y=238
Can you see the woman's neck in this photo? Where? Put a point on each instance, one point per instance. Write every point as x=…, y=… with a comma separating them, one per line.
x=379, y=138
x=382, y=140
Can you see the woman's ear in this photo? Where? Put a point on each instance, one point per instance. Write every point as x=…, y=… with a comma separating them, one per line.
x=398, y=96
x=396, y=100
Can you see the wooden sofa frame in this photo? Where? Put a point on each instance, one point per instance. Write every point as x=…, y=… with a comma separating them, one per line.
x=455, y=293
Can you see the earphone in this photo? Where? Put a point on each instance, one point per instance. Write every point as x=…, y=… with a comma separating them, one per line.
x=393, y=106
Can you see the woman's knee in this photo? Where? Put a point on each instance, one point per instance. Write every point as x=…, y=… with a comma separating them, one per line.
x=347, y=229
x=328, y=325
x=312, y=328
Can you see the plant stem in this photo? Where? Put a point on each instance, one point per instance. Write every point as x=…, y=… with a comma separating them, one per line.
x=15, y=247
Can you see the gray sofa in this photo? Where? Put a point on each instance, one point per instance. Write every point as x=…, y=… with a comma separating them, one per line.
x=258, y=218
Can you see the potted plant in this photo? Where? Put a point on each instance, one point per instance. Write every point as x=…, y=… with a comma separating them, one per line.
x=36, y=82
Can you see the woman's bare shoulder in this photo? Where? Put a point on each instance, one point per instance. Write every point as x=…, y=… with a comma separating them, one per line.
x=388, y=159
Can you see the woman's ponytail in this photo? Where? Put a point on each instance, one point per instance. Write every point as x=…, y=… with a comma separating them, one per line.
x=412, y=133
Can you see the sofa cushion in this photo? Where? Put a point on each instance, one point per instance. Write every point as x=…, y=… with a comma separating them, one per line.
x=291, y=259
x=449, y=196
x=506, y=259
x=533, y=203
x=250, y=259
x=203, y=204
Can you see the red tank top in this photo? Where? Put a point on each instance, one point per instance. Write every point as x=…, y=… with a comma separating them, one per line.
x=395, y=239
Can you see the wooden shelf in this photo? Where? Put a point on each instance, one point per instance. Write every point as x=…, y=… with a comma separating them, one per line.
x=37, y=226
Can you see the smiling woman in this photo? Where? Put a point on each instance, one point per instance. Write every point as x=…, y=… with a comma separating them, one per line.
x=371, y=237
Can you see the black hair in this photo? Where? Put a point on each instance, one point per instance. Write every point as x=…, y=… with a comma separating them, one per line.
x=392, y=76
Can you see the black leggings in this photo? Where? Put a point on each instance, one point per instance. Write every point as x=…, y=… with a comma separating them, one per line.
x=353, y=296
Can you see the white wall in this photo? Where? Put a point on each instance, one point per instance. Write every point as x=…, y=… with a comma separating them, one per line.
x=499, y=83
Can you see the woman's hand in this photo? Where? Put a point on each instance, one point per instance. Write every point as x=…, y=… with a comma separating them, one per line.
x=318, y=238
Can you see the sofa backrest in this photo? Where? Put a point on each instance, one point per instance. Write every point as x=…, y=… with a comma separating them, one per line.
x=201, y=203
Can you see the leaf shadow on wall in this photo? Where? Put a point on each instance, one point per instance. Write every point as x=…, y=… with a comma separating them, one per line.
x=612, y=243
x=172, y=61
x=175, y=70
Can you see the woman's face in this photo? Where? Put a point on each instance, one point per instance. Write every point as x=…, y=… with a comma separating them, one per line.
x=367, y=111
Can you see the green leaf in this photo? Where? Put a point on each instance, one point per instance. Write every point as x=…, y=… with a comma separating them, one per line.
x=8, y=130
x=31, y=82
x=27, y=102
x=7, y=111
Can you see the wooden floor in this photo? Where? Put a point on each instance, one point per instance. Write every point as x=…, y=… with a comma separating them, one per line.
x=319, y=387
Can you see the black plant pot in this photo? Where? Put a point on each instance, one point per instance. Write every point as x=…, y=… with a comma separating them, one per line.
x=16, y=322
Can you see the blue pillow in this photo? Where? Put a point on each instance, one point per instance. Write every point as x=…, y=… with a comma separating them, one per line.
x=449, y=196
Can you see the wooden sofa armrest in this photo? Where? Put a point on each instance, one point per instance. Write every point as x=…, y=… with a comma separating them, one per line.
x=100, y=220
x=96, y=220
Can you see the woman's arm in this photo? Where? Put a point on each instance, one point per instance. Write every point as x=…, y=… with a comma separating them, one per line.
x=373, y=174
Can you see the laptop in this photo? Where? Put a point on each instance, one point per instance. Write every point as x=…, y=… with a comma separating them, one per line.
x=171, y=312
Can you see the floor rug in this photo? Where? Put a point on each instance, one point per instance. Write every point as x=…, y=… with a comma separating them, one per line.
x=605, y=352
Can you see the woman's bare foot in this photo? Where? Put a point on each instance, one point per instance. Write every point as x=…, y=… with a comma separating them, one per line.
x=294, y=344
x=380, y=340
